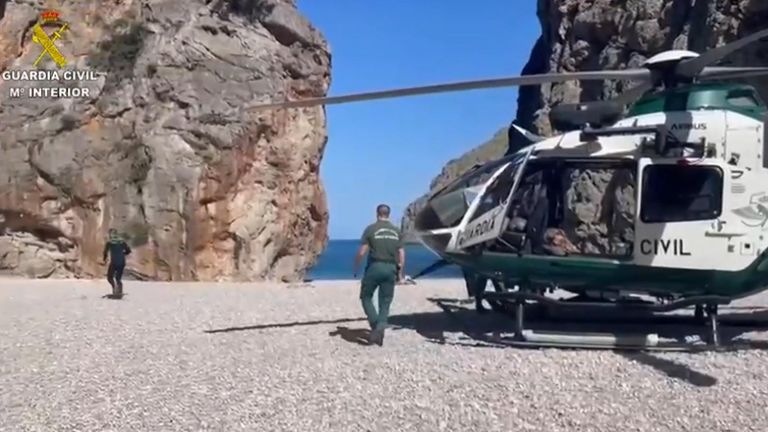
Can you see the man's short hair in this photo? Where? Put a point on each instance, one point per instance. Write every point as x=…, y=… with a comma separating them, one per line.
x=382, y=210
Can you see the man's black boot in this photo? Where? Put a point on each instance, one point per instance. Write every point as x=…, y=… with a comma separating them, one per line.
x=114, y=290
x=377, y=336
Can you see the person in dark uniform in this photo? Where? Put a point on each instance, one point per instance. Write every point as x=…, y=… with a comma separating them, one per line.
x=383, y=242
x=117, y=250
x=475, y=288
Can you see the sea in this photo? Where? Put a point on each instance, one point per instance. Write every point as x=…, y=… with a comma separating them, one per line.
x=337, y=259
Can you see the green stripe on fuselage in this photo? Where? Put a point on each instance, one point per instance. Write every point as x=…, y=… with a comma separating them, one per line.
x=581, y=273
x=698, y=97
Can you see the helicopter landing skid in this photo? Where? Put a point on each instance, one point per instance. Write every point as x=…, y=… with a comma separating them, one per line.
x=578, y=341
x=526, y=338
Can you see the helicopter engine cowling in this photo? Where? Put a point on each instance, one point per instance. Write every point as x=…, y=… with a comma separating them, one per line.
x=567, y=117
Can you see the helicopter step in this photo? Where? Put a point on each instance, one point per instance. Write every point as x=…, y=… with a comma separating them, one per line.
x=528, y=338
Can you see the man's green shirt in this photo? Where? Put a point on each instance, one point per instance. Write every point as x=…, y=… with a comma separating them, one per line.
x=384, y=240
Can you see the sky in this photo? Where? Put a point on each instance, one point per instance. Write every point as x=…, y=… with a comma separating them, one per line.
x=388, y=151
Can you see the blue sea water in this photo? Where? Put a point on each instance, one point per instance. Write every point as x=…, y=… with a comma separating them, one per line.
x=337, y=259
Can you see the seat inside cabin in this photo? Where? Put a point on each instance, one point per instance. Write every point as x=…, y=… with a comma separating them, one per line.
x=563, y=209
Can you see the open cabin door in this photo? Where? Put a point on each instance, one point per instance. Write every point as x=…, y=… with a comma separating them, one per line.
x=486, y=218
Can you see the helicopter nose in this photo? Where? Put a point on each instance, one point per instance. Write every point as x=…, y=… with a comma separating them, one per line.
x=440, y=218
x=445, y=210
x=442, y=214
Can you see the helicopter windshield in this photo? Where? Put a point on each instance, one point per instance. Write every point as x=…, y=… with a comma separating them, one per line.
x=477, y=175
x=447, y=207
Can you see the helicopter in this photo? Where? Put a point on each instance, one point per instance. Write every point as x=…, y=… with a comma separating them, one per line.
x=687, y=152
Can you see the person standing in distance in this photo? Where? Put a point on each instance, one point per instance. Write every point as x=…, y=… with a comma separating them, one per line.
x=118, y=249
x=383, y=243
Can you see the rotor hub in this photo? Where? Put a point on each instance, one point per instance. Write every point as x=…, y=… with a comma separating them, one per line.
x=668, y=57
x=663, y=67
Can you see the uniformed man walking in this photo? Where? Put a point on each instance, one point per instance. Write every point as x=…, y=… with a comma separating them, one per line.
x=117, y=250
x=383, y=243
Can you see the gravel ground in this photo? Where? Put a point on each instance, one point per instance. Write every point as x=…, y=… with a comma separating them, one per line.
x=230, y=357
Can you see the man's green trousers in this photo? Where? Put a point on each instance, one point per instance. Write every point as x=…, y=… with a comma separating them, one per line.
x=381, y=275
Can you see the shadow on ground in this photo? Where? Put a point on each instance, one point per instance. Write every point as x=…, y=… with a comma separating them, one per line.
x=357, y=336
x=455, y=324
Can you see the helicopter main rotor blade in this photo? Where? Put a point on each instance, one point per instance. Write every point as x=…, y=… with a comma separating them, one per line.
x=693, y=66
x=629, y=74
x=725, y=72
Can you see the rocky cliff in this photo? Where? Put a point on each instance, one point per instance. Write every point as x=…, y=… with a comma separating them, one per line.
x=601, y=34
x=605, y=34
x=163, y=149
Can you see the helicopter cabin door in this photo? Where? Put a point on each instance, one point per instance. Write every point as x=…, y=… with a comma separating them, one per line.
x=486, y=218
x=682, y=219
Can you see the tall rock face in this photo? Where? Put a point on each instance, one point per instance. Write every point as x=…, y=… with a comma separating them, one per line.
x=606, y=34
x=163, y=148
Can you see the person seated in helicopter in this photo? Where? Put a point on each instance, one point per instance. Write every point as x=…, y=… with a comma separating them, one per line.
x=524, y=217
x=523, y=199
x=532, y=226
x=552, y=239
x=513, y=237
x=556, y=242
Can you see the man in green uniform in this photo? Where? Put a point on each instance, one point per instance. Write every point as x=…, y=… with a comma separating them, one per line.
x=383, y=243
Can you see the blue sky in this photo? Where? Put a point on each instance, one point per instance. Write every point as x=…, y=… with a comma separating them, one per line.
x=389, y=150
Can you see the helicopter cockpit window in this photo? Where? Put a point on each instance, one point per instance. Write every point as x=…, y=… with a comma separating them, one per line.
x=447, y=207
x=742, y=98
x=476, y=176
x=674, y=193
x=497, y=192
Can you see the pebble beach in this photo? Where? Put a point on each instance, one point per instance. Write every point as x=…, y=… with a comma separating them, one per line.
x=278, y=357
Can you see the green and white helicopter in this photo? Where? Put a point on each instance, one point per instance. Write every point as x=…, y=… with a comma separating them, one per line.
x=691, y=154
